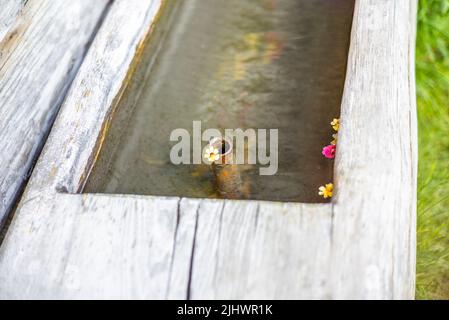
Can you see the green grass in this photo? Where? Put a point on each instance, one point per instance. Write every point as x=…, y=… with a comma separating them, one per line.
x=432, y=75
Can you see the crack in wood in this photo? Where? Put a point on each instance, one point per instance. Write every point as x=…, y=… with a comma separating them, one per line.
x=192, y=255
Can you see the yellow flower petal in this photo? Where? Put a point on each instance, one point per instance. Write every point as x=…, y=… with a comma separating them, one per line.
x=335, y=124
x=326, y=191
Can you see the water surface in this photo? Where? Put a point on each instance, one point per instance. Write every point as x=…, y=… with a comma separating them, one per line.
x=233, y=64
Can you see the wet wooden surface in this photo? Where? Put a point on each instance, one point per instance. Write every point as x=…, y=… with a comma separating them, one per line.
x=362, y=245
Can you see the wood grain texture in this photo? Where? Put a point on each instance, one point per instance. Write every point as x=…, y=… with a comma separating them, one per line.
x=97, y=250
x=79, y=130
x=376, y=164
x=254, y=250
x=10, y=10
x=39, y=59
x=361, y=246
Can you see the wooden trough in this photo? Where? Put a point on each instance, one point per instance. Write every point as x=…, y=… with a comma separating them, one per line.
x=67, y=245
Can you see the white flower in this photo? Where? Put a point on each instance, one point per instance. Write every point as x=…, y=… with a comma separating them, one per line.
x=211, y=154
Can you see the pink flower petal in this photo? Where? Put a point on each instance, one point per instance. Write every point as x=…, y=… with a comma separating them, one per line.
x=329, y=151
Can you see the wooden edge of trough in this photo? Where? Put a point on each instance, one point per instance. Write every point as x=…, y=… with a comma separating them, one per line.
x=42, y=44
x=361, y=246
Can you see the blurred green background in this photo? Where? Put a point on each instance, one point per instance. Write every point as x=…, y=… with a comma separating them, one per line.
x=432, y=75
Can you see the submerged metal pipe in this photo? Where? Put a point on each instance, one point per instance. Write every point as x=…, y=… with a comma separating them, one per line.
x=227, y=174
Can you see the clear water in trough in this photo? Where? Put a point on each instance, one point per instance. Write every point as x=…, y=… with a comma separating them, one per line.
x=271, y=64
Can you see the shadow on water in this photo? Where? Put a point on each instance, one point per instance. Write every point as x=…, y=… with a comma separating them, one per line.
x=267, y=64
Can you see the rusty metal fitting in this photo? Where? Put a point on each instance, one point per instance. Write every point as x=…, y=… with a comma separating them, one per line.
x=220, y=153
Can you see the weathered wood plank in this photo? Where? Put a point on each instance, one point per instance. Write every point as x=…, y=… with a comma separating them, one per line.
x=38, y=62
x=134, y=247
x=78, y=133
x=180, y=271
x=253, y=250
x=10, y=10
x=98, y=252
x=360, y=246
x=97, y=85
x=375, y=171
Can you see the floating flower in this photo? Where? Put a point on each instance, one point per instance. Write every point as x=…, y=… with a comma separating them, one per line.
x=329, y=151
x=335, y=124
x=211, y=154
x=334, y=142
x=326, y=191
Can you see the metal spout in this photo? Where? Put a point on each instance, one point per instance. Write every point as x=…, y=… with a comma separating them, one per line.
x=227, y=174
